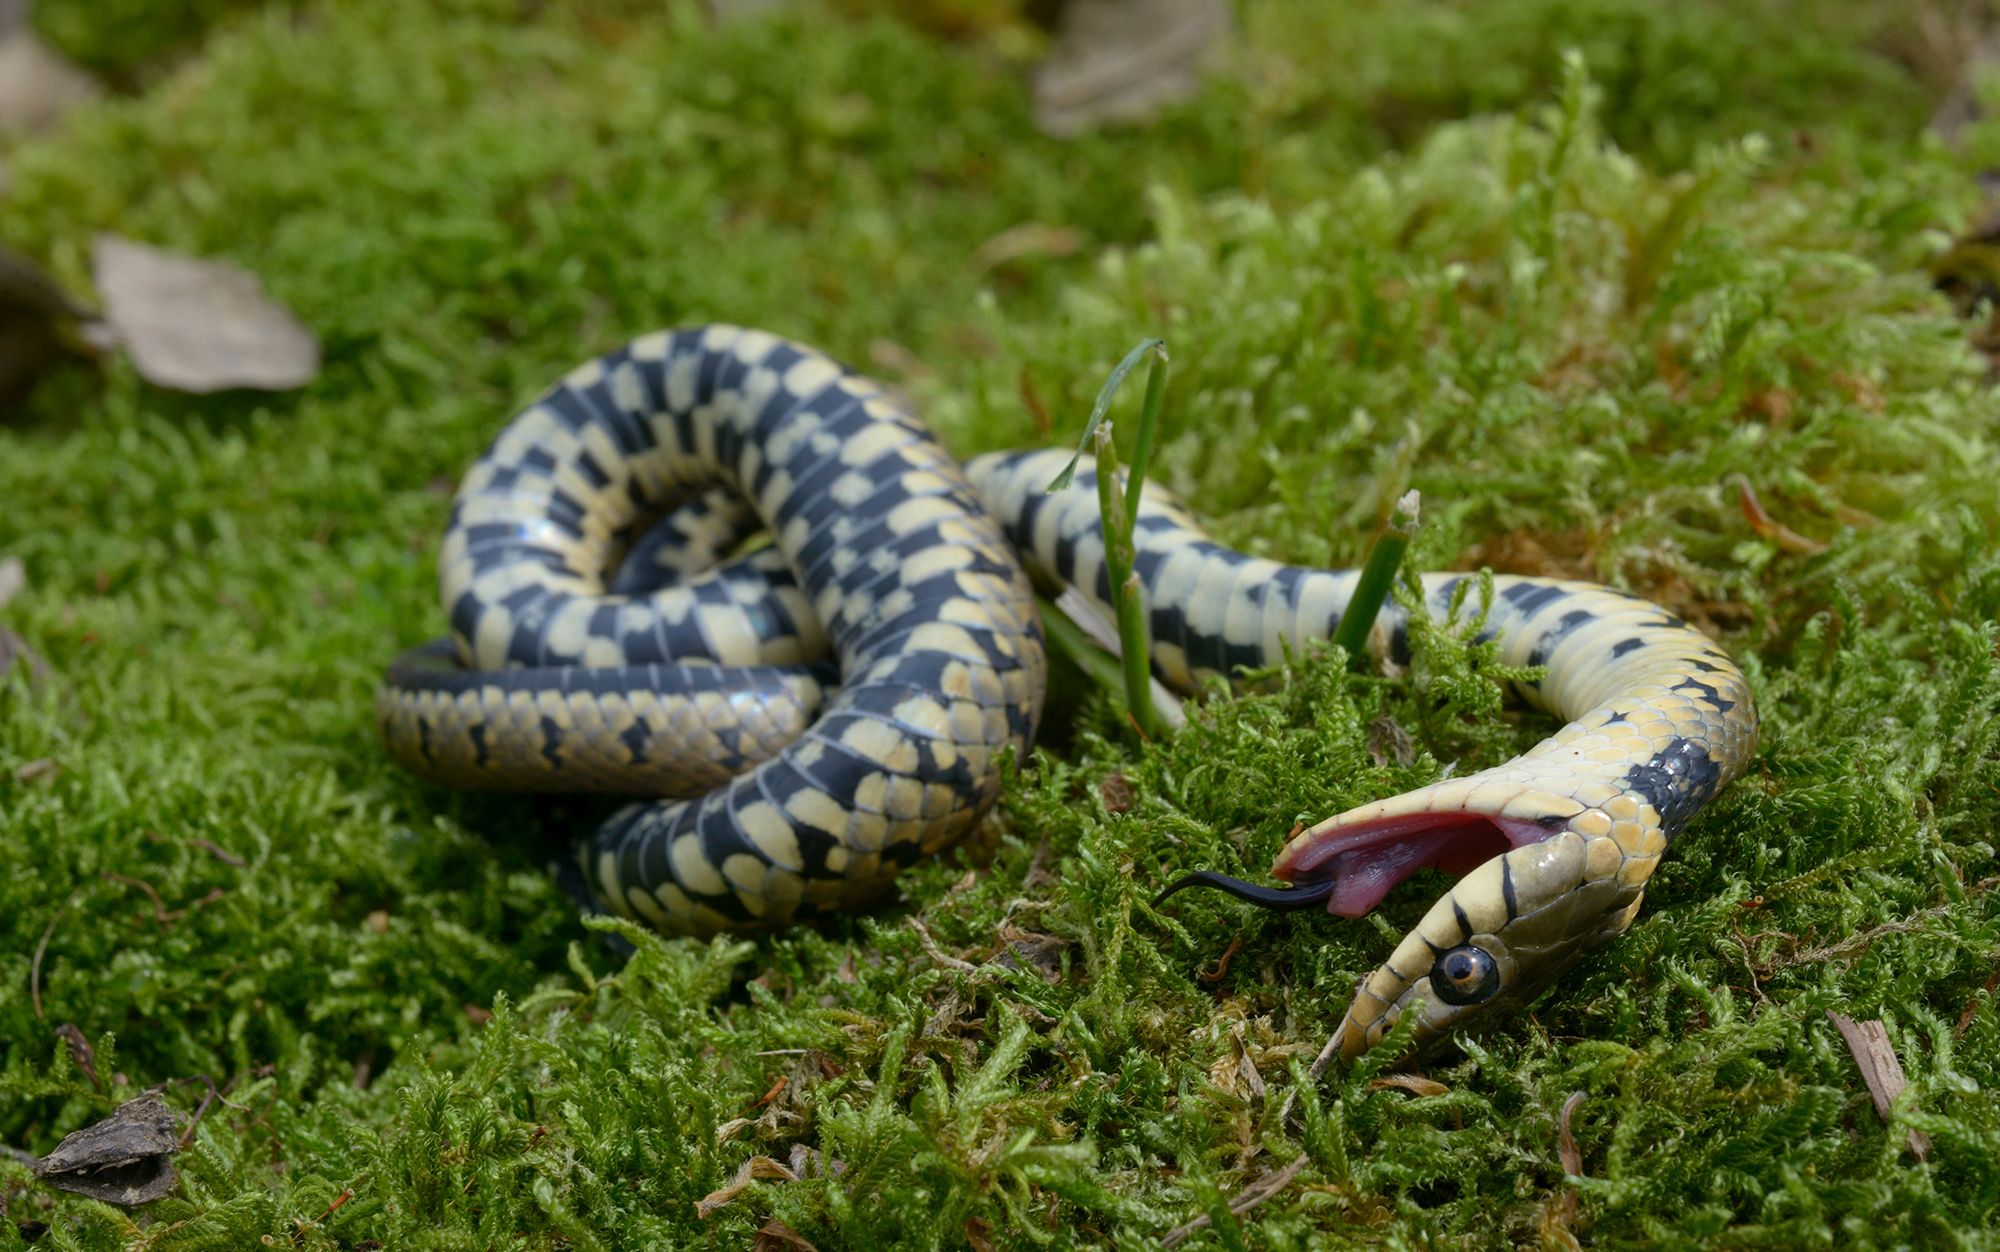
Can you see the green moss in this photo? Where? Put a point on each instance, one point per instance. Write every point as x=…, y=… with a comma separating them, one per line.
x=131, y=40
x=1572, y=321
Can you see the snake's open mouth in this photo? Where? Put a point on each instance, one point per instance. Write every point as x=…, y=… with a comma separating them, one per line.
x=1365, y=858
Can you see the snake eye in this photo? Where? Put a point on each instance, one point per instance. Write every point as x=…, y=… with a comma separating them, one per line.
x=1465, y=975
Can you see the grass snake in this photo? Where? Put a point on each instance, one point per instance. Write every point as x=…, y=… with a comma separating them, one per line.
x=827, y=710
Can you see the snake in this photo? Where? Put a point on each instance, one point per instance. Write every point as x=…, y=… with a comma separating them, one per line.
x=798, y=722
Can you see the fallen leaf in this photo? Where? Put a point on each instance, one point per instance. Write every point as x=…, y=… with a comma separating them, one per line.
x=41, y=769
x=1558, y=1214
x=936, y=953
x=1981, y=998
x=1025, y=949
x=807, y=1161
x=1026, y=240
x=1388, y=741
x=1249, y=1198
x=1125, y=60
x=13, y=577
x=1116, y=791
x=1572, y=1159
x=774, y=1236
x=1415, y=1084
x=754, y=1168
x=80, y=1051
x=37, y=86
x=1868, y=1043
x=894, y=357
x=1253, y=1082
x=199, y=326
x=126, y=1159
x=1768, y=527
x=1038, y=409
x=1961, y=106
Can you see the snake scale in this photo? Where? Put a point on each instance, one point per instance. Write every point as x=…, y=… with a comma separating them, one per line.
x=827, y=710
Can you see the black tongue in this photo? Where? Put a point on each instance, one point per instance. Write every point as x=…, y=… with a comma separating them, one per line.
x=1282, y=898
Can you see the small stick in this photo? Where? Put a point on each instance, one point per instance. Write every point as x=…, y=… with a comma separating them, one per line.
x=35, y=968
x=1249, y=1198
x=936, y=953
x=1881, y=1072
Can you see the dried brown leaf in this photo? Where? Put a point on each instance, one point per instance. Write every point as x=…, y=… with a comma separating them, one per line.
x=199, y=326
x=1125, y=60
x=755, y=1168
x=935, y=952
x=1572, y=1159
x=1388, y=741
x=80, y=1052
x=126, y=1159
x=1026, y=240
x=897, y=359
x=1249, y=1198
x=37, y=86
x=1253, y=1082
x=808, y=1161
x=775, y=1236
x=1025, y=949
x=1768, y=527
x=1415, y=1084
x=1038, y=409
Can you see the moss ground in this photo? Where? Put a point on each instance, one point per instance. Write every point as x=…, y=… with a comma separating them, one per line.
x=1574, y=303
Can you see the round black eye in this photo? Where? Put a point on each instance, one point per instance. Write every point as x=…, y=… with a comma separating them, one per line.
x=1465, y=975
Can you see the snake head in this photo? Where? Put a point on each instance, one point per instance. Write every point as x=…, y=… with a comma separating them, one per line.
x=1546, y=879
x=1501, y=935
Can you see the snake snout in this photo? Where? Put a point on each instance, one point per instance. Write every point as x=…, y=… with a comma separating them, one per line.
x=1503, y=933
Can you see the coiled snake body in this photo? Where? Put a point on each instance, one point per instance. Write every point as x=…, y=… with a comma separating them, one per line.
x=894, y=575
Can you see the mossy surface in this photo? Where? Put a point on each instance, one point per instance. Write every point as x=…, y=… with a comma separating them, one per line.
x=1575, y=303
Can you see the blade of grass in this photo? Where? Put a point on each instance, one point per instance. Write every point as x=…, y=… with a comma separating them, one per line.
x=1149, y=419
x=1377, y=575
x=1105, y=395
x=1128, y=598
x=1120, y=555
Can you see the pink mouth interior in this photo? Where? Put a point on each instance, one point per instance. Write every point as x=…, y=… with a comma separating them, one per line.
x=1367, y=859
